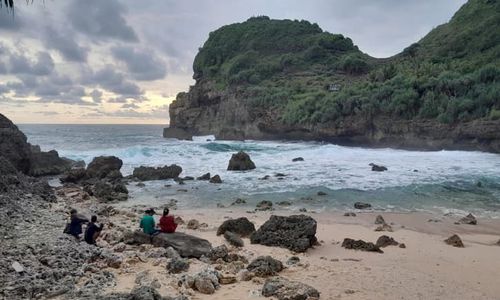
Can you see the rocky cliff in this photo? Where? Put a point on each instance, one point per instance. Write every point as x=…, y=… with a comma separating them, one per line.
x=272, y=79
x=26, y=158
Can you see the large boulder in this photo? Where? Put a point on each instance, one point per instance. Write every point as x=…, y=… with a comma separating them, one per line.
x=296, y=233
x=160, y=173
x=186, y=245
x=136, y=238
x=104, y=166
x=284, y=289
x=48, y=163
x=6, y=168
x=14, y=146
x=240, y=162
x=241, y=226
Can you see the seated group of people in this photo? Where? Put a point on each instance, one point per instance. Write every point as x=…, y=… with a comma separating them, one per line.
x=167, y=222
x=74, y=227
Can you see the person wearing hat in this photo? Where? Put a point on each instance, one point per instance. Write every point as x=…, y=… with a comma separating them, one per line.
x=148, y=222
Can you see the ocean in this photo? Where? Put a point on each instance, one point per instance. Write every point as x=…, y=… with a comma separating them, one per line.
x=438, y=182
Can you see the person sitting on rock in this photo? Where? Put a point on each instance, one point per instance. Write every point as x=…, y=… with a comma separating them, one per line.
x=148, y=222
x=92, y=232
x=75, y=225
x=167, y=222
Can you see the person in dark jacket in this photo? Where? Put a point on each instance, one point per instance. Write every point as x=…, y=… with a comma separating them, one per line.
x=75, y=225
x=92, y=231
x=167, y=222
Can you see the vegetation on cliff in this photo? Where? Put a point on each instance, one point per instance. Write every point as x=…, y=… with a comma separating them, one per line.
x=310, y=76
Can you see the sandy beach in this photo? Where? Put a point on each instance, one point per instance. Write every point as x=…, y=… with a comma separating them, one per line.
x=426, y=269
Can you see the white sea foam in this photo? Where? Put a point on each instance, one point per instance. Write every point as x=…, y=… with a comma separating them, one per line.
x=415, y=180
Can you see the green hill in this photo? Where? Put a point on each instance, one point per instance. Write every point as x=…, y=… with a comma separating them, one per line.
x=292, y=75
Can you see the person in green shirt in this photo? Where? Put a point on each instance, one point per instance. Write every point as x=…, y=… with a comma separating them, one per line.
x=148, y=222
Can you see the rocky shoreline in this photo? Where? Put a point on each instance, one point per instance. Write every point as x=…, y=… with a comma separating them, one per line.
x=192, y=114
x=226, y=253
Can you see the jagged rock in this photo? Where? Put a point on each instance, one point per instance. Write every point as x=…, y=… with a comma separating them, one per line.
x=159, y=173
x=219, y=252
x=215, y=179
x=379, y=220
x=239, y=201
x=178, y=220
x=240, y=162
x=293, y=260
x=241, y=226
x=360, y=245
x=402, y=245
x=186, y=245
x=361, y=205
x=102, y=166
x=6, y=168
x=145, y=293
x=120, y=188
x=264, y=205
x=105, y=191
x=73, y=175
x=226, y=278
x=48, y=163
x=233, y=239
x=298, y=159
x=384, y=227
x=193, y=224
x=136, y=238
x=177, y=265
x=245, y=275
x=264, y=266
x=204, y=177
x=454, y=241
x=469, y=219
x=205, y=282
x=296, y=232
x=377, y=168
x=385, y=241
x=284, y=289
x=14, y=146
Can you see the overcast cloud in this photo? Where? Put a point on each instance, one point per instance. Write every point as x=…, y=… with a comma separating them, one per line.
x=119, y=61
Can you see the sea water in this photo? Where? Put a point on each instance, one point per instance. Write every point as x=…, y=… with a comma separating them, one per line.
x=437, y=182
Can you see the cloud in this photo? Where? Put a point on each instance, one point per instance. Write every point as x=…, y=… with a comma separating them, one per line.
x=101, y=19
x=96, y=96
x=130, y=105
x=111, y=80
x=66, y=45
x=21, y=64
x=142, y=64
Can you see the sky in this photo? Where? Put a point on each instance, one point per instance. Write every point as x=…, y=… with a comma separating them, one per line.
x=124, y=61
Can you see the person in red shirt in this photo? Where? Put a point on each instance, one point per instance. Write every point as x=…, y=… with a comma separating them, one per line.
x=167, y=223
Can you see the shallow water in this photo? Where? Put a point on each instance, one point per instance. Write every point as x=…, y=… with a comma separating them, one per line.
x=439, y=181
